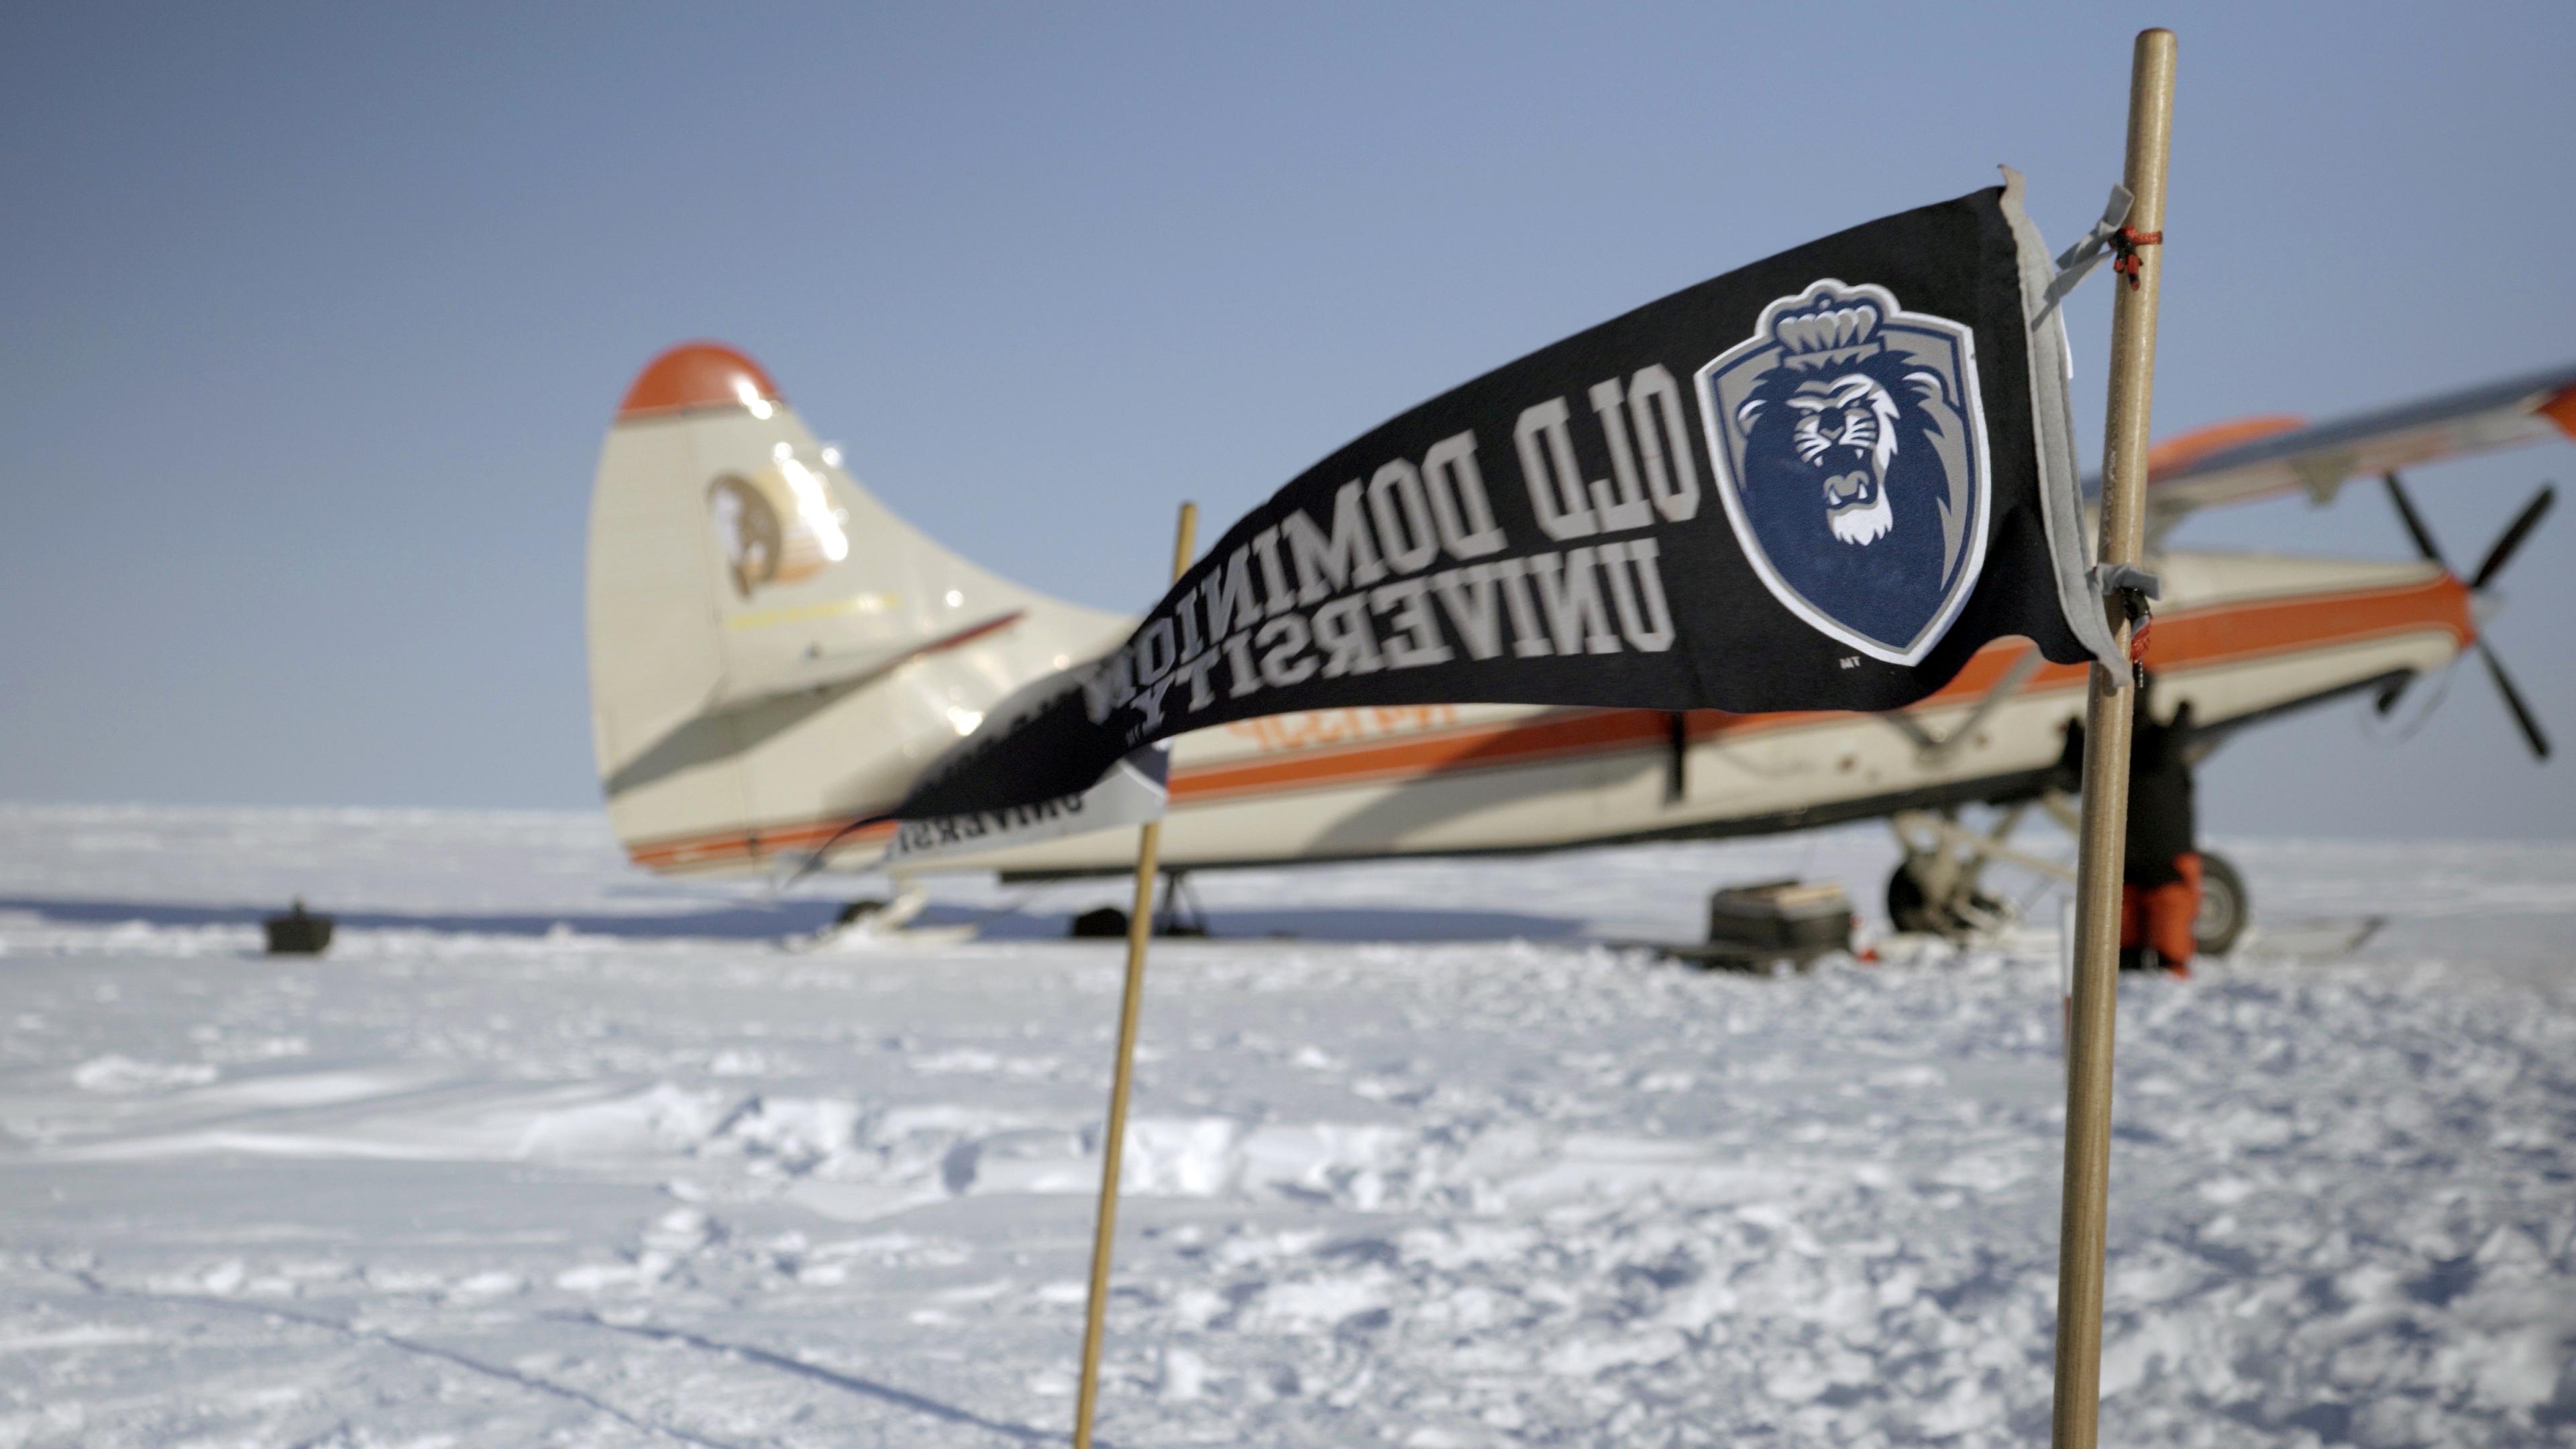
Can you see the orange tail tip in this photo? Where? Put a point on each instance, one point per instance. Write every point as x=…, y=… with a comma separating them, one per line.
x=697, y=375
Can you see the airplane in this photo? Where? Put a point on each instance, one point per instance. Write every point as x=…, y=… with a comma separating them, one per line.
x=774, y=655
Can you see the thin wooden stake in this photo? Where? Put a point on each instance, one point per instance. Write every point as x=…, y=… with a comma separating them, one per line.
x=2086, y=1199
x=1140, y=929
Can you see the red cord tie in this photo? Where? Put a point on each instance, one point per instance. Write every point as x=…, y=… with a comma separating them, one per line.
x=2124, y=246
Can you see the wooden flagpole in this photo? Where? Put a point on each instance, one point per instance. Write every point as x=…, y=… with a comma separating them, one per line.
x=2086, y=1198
x=1140, y=929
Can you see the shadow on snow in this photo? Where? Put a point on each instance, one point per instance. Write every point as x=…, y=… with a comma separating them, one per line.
x=771, y=921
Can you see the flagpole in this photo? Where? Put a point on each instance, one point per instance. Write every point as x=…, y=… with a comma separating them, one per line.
x=2086, y=1196
x=1140, y=929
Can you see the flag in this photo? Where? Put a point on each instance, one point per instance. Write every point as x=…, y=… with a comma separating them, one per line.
x=1133, y=792
x=1822, y=481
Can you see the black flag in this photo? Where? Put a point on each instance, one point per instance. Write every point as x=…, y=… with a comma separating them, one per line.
x=1819, y=482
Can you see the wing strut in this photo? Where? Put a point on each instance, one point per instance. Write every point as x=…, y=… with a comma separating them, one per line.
x=1937, y=749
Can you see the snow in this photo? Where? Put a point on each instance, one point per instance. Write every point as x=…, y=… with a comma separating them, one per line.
x=548, y=1152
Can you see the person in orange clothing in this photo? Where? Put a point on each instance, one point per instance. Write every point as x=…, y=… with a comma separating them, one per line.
x=2160, y=874
x=2160, y=871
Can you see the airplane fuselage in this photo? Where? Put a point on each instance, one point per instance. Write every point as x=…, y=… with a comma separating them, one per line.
x=2242, y=636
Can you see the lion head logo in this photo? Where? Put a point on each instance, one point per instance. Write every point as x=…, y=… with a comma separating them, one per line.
x=1849, y=441
x=776, y=525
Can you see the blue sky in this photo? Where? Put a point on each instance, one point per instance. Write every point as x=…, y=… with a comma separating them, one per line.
x=315, y=316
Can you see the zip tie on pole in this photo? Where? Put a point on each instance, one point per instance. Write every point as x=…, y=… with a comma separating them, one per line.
x=2126, y=242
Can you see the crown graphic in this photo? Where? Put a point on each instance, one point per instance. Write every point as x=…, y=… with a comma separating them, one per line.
x=1831, y=331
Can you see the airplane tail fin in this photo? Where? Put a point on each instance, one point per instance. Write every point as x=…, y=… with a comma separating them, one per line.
x=772, y=651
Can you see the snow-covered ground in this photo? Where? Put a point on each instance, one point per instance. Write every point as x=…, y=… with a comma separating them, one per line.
x=546, y=1152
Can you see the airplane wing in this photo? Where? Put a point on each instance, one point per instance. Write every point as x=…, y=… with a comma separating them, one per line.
x=2262, y=457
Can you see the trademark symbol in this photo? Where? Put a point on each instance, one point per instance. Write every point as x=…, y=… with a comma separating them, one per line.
x=1851, y=661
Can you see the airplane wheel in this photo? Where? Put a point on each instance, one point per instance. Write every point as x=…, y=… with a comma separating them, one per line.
x=1907, y=907
x=2224, y=906
x=1104, y=922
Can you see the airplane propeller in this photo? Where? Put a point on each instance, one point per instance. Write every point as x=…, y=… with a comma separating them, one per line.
x=2523, y=523
x=2506, y=545
x=1676, y=758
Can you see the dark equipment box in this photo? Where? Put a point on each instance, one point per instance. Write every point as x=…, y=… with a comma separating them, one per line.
x=298, y=933
x=1783, y=920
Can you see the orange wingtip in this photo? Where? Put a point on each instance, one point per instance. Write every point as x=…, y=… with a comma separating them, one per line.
x=2174, y=454
x=697, y=375
x=2562, y=411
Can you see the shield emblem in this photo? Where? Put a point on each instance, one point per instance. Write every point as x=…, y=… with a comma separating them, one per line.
x=1850, y=447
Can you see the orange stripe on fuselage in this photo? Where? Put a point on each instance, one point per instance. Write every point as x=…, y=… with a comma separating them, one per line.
x=681, y=854
x=2181, y=640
